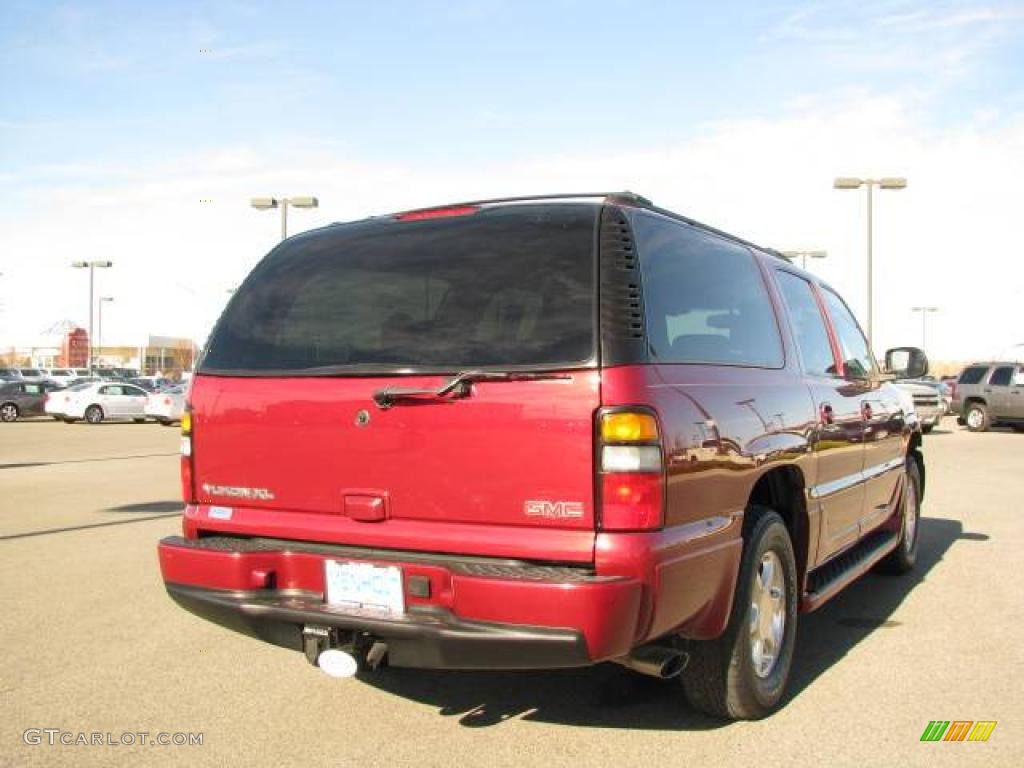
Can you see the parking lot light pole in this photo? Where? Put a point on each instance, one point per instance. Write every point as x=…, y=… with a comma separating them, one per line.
x=804, y=255
x=99, y=322
x=92, y=266
x=889, y=182
x=924, y=323
x=266, y=203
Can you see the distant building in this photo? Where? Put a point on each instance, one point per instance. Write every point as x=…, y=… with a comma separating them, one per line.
x=66, y=345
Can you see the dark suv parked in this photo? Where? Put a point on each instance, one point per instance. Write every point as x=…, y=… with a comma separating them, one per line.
x=540, y=433
x=990, y=393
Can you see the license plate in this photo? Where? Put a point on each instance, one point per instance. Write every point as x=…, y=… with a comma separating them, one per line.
x=364, y=587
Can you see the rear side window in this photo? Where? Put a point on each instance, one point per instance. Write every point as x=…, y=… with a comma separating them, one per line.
x=972, y=375
x=506, y=286
x=704, y=297
x=1001, y=376
x=808, y=325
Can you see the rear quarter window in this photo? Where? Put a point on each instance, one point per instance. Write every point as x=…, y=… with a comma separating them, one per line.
x=705, y=298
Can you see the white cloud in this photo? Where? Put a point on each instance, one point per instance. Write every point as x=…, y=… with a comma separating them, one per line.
x=950, y=239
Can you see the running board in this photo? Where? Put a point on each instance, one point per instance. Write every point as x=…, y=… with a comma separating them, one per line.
x=824, y=582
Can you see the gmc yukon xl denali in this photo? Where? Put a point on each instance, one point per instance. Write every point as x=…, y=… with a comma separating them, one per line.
x=540, y=433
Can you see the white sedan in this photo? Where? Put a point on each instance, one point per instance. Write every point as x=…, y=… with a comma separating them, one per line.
x=56, y=403
x=102, y=400
x=167, y=406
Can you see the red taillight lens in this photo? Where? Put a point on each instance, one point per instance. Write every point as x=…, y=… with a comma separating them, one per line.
x=632, y=474
x=632, y=501
x=437, y=213
x=167, y=401
x=188, y=486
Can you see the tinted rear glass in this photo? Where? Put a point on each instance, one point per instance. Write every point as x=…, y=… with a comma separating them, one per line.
x=973, y=375
x=508, y=286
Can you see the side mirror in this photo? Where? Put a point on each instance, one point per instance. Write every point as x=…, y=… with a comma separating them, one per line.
x=906, y=362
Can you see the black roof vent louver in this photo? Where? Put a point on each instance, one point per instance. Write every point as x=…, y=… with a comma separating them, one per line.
x=622, y=305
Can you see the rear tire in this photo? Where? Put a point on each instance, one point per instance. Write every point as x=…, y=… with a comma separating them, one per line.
x=8, y=412
x=139, y=421
x=743, y=673
x=928, y=430
x=977, y=418
x=94, y=414
x=903, y=558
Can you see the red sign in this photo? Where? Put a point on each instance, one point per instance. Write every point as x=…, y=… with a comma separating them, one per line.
x=74, y=351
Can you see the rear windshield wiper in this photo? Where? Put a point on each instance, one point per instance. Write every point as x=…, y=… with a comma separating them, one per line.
x=458, y=386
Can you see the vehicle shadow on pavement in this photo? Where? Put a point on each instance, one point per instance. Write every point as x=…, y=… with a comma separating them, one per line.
x=609, y=696
x=827, y=635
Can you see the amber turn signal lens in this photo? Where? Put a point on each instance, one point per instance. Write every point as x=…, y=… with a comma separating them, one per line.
x=186, y=423
x=628, y=427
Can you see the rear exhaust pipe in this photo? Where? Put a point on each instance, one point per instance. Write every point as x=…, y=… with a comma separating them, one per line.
x=337, y=663
x=656, y=661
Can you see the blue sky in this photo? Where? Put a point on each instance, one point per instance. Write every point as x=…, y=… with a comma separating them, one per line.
x=170, y=103
x=437, y=82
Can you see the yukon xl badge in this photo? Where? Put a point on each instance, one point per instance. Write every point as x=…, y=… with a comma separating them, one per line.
x=238, y=492
x=556, y=510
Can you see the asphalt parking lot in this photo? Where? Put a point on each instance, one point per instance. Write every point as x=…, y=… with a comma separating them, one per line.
x=91, y=644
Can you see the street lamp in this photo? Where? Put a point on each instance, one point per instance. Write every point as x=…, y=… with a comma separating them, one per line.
x=804, y=255
x=99, y=323
x=924, y=320
x=91, y=265
x=266, y=203
x=846, y=182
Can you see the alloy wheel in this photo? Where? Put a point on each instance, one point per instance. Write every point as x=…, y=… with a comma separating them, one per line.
x=767, y=614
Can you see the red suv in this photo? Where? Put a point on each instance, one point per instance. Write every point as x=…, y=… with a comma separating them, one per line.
x=540, y=433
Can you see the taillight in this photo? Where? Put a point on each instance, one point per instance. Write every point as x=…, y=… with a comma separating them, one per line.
x=632, y=471
x=167, y=401
x=437, y=213
x=188, y=492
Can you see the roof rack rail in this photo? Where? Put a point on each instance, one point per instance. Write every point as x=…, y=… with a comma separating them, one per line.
x=623, y=197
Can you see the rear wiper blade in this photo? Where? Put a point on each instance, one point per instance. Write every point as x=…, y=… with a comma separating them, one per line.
x=458, y=386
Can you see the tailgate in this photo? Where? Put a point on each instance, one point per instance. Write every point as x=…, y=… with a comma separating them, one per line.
x=516, y=453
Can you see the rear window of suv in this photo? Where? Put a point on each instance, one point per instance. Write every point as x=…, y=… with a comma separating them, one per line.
x=973, y=375
x=506, y=286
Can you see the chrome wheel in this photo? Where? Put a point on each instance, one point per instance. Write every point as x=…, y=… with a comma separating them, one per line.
x=911, y=512
x=9, y=412
x=975, y=418
x=767, y=614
